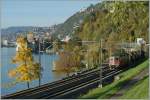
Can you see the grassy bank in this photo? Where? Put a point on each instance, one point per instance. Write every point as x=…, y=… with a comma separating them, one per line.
x=138, y=91
x=111, y=89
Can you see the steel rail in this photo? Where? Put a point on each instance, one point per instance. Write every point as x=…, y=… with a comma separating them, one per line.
x=28, y=91
x=58, y=87
x=57, y=94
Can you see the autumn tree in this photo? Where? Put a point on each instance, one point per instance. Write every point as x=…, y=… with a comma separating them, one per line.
x=69, y=61
x=27, y=69
x=64, y=63
x=92, y=55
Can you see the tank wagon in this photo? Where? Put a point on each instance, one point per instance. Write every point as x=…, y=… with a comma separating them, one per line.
x=125, y=59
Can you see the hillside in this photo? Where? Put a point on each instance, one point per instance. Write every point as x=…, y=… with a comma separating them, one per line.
x=76, y=20
x=142, y=86
x=122, y=21
x=67, y=27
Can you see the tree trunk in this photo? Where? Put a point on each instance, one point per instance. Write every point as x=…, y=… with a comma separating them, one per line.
x=67, y=74
x=28, y=85
x=39, y=81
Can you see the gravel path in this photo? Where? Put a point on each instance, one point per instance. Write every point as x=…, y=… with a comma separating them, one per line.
x=130, y=83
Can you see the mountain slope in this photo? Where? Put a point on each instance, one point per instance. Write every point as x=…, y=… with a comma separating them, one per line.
x=76, y=20
x=122, y=21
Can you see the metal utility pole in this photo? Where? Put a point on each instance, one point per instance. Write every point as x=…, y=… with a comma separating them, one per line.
x=88, y=58
x=100, y=83
x=39, y=60
x=129, y=49
x=121, y=46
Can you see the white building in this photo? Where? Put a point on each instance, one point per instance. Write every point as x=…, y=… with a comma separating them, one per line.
x=30, y=37
x=140, y=41
x=5, y=42
x=66, y=39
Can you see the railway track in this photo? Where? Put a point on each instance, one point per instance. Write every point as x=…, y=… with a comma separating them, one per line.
x=54, y=87
x=73, y=90
x=64, y=86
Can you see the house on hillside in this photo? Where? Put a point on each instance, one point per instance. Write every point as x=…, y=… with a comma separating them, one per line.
x=66, y=39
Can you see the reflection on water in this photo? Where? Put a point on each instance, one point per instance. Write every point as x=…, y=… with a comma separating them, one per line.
x=59, y=74
x=46, y=62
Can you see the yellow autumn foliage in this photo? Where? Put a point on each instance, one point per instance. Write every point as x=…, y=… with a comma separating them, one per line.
x=25, y=77
x=22, y=69
x=12, y=73
x=27, y=70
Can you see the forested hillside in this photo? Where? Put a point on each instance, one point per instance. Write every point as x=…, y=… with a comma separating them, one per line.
x=121, y=21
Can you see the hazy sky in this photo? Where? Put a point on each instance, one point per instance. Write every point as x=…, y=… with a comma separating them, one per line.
x=39, y=12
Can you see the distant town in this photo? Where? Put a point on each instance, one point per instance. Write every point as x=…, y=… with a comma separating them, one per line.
x=42, y=37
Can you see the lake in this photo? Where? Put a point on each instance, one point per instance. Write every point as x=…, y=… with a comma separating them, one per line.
x=47, y=75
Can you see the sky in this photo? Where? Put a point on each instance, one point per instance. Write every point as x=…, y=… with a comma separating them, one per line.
x=39, y=12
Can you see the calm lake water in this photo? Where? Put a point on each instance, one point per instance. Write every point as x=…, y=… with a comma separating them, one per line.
x=6, y=65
